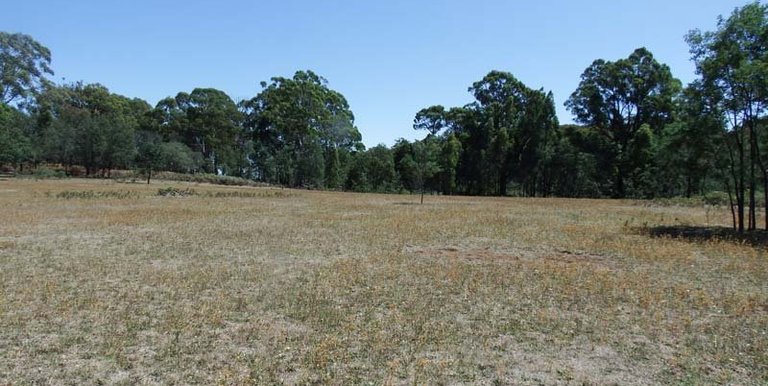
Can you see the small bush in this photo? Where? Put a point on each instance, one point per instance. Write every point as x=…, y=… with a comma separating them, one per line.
x=45, y=173
x=716, y=198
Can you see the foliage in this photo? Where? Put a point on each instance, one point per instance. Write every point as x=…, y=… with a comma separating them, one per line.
x=85, y=124
x=208, y=122
x=495, y=141
x=733, y=64
x=24, y=63
x=622, y=100
x=639, y=134
x=302, y=125
x=431, y=119
x=15, y=146
x=45, y=173
x=423, y=162
x=448, y=160
x=381, y=169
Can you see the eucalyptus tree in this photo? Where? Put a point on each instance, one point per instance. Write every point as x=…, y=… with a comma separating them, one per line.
x=432, y=119
x=301, y=125
x=208, y=121
x=423, y=161
x=402, y=153
x=447, y=149
x=497, y=138
x=15, y=146
x=380, y=169
x=88, y=125
x=450, y=151
x=154, y=153
x=688, y=154
x=24, y=64
x=622, y=100
x=500, y=101
x=733, y=64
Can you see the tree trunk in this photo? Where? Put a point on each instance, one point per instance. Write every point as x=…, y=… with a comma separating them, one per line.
x=730, y=203
x=752, y=180
x=737, y=174
x=502, y=184
x=619, y=184
x=740, y=188
x=765, y=196
x=764, y=173
x=149, y=175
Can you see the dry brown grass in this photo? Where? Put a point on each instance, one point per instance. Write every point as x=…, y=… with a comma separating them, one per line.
x=335, y=288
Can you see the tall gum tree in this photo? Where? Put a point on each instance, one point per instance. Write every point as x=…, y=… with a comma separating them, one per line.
x=24, y=64
x=86, y=124
x=513, y=122
x=618, y=98
x=208, y=121
x=733, y=64
x=299, y=122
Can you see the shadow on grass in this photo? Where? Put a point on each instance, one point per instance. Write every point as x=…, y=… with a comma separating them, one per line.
x=757, y=238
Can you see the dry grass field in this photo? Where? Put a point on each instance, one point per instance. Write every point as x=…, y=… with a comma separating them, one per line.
x=109, y=283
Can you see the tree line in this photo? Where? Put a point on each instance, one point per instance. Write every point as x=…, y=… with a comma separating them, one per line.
x=640, y=132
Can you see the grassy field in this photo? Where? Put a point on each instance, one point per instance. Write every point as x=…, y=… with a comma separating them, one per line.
x=111, y=283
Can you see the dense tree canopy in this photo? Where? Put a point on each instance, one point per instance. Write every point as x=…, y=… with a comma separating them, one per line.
x=301, y=126
x=86, y=125
x=619, y=99
x=495, y=141
x=208, y=122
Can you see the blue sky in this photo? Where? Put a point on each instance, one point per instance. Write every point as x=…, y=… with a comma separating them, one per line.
x=389, y=58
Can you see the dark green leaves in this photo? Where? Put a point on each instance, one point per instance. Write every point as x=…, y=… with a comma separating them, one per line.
x=301, y=123
x=618, y=98
x=431, y=119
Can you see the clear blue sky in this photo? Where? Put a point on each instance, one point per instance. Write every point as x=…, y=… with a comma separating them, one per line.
x=389, y=58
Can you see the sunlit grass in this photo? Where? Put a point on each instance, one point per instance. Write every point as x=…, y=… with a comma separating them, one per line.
x=238, y=285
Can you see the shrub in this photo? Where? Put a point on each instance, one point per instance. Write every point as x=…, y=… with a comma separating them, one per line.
x=716, y=198
x=45, y=172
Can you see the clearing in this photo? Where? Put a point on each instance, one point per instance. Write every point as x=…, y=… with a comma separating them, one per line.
x=106, y=282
